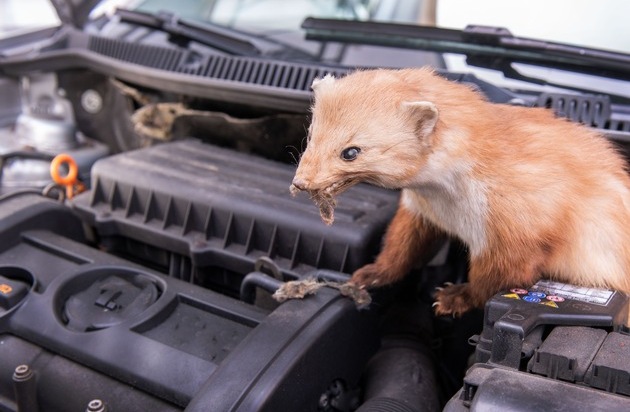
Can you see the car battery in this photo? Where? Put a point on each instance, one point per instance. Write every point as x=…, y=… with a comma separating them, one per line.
x=549, y=347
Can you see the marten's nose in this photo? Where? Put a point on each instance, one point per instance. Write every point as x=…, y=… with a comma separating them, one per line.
x=300, y=183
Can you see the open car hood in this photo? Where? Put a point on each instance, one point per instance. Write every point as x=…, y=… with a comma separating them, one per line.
x=74, y=12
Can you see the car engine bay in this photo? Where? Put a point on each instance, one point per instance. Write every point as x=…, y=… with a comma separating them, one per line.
x=149, y=287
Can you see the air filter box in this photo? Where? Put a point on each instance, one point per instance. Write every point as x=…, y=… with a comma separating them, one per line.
x=188, y=208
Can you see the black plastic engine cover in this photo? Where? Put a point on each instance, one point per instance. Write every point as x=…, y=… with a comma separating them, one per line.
x=216, y=206
x=94, y=326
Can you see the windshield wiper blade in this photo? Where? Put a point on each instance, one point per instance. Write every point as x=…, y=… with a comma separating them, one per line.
x=490, y=47
x=218, y=37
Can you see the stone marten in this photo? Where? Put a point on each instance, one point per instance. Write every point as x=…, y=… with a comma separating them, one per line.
x=531, y=195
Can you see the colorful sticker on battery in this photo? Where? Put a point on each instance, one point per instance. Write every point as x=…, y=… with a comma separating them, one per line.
x=537, y=297
x=562, y=290
x=549, y=293
x=531, y=299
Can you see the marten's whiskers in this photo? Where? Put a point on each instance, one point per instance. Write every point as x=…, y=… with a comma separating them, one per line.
x=295, y=159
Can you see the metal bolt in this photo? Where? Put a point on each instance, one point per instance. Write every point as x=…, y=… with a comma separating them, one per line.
x=25, y=388
x=91, y=101
x=324, y=401
x=22, y=373
x=96, y=405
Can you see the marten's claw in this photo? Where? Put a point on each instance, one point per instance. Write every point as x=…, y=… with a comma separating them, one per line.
x=367, y=276
x=440, y=288
x=435, y=304
x=356, y=285
x=453, y=300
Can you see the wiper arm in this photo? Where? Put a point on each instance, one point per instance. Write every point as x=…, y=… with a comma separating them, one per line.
x=489, y=47
x=220, y=38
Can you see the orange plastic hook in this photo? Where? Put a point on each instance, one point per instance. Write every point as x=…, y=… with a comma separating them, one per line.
x=70, y=179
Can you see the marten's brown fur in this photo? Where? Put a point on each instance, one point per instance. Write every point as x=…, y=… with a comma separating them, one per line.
x=530, y=194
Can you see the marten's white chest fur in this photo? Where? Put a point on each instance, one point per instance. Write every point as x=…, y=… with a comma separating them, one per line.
x=529, y=194
x=447, y=194
x=460, y=210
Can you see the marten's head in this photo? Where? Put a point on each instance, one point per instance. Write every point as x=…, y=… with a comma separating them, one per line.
x=370, y=126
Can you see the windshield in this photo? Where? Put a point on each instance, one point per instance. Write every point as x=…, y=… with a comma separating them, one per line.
x=593, y=24
x=274, y=15
x=21, y=16
x=598, y=24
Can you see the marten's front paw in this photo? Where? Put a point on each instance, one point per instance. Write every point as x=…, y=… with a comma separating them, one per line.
x=453, y=300
x=369, y=276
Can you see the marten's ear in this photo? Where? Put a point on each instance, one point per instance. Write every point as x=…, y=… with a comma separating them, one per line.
x=425, y=114
x=323, y=82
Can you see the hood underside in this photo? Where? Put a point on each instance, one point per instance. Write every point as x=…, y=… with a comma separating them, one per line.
x=74, y=12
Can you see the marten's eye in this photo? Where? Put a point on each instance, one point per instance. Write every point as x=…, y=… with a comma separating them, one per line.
x=350, y=153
